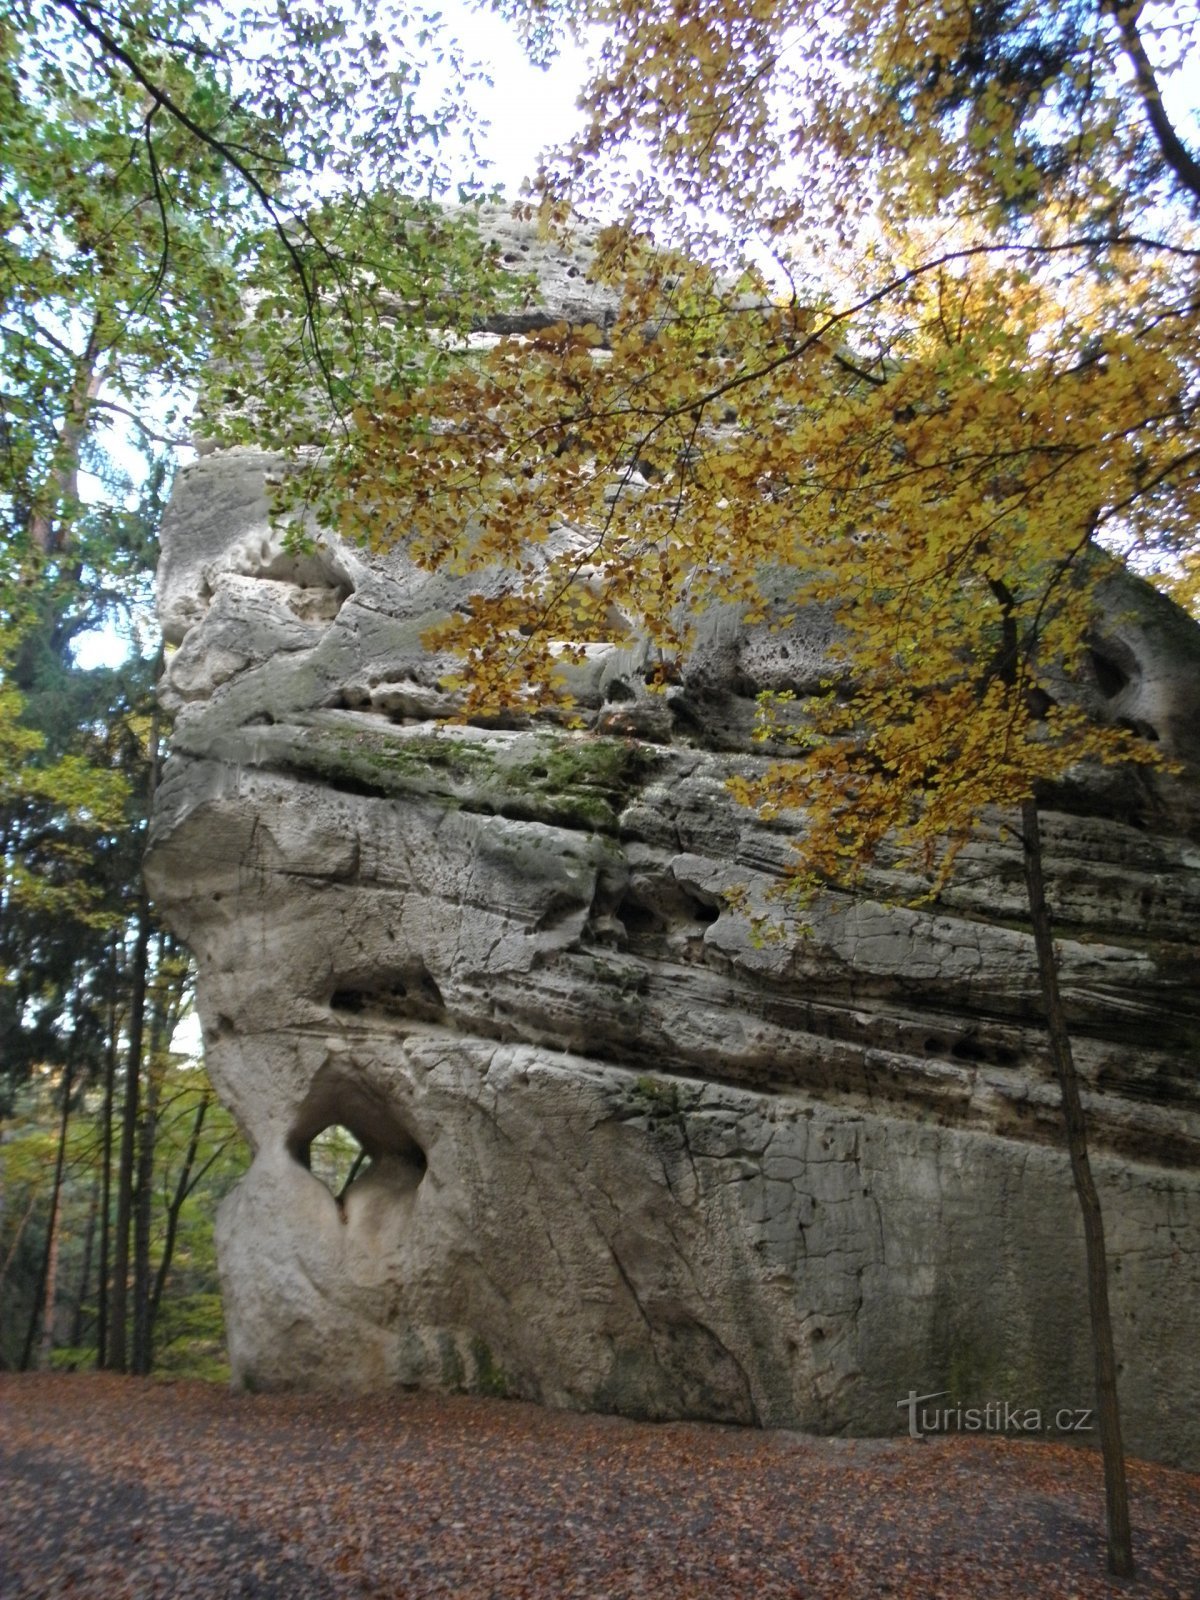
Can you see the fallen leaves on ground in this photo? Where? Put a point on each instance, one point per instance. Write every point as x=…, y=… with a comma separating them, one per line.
x=126, y=1489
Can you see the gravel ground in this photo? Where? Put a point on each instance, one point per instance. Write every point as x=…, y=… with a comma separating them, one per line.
x=126, y=1489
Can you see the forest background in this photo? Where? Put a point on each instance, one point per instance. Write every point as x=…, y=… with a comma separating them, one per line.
x=183, y=186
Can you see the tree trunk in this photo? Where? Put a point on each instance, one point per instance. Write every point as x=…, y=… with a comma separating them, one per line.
x=144, y=1187
x=110, y=1081
x=117, y=1354
x=85, y=1272
x=54, y=504
x=16, y=1244
x=182, y=1189
x=50, y=1301
x=117, y=1358
x=43, y=1300
x=1120, y=1541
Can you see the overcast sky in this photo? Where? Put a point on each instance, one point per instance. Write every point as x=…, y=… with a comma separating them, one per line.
x=528, y=107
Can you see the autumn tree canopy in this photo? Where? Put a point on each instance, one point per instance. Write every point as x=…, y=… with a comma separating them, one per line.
x=924, y=337
x=908, y=333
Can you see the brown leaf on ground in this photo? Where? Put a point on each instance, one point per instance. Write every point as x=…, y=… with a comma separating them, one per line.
x=116, y=1488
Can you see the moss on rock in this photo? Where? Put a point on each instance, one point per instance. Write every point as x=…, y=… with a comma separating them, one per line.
x=570, y=780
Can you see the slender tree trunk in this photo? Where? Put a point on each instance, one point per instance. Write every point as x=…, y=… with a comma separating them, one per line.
x=1174, y=152
x=110, y=1080
x=182, y=1190
x=117, y=1356
x=85, y=1275
x=144, y=1187
x=49, y=1304
x=143, y=1217
x=1120, y=1540
x=16, y=1244
x=7, y=837
x=54, y=504
x=36, y=1308
x=43, y=1300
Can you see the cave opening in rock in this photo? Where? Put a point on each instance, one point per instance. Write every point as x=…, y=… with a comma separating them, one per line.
x=1111, y=677
x=347, y=1132
x=336, y=1159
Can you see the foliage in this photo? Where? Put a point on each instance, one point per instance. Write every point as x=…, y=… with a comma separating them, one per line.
x=335, y=1157
x=189, y=1332
x=923, y=337
x=980, y=364
x=184, y=186
x=181, y=181
x=70, y=836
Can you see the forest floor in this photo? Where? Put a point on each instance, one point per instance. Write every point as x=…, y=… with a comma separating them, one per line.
x=126, y=1489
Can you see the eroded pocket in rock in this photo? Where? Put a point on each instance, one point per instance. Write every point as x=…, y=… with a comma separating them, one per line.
x=349, y=1136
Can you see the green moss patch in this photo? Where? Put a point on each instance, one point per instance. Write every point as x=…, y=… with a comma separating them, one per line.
x=571, y=780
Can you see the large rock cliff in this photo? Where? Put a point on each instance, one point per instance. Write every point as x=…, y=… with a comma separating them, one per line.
x=625, y=1153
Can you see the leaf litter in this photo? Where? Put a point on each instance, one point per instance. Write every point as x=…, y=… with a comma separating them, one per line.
x=132, y=1489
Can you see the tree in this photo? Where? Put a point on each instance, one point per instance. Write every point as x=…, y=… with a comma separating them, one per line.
x=182, y=183
x=51, y=1273
x=183, y=188
x=922, y=345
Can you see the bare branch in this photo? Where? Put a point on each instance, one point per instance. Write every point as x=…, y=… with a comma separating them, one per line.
x=1175, y=153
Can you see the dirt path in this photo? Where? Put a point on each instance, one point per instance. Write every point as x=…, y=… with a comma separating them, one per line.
x=116, y=1488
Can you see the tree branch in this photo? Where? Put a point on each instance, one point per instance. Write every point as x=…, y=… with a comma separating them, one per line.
x=223, y=150
x=173, y=439
x=1175, y=153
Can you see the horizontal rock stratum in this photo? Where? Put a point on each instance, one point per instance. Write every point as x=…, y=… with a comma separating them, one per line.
x=625, y=1154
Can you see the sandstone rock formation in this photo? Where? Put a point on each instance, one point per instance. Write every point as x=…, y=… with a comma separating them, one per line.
x=623, y=1153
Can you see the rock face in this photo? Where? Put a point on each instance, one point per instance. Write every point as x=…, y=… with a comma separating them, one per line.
x=624, y=1153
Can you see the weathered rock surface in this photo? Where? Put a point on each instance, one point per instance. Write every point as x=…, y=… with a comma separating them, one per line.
x=624, y=1153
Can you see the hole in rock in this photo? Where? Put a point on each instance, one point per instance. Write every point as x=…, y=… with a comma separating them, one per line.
x=637, y=916
x=968, y=1048
x=617, y=690
x=409, y=991
x=336, y=1158
x=347, y=1132
x=684, y=717
x=667, y=671
x=353, y=1000
x=704, y=910
x=655, y=906
x=1109, y=676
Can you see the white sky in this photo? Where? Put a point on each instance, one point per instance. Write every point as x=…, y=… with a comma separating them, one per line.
x=528, y=107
